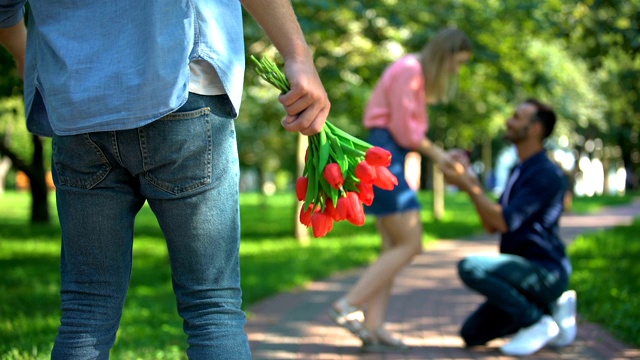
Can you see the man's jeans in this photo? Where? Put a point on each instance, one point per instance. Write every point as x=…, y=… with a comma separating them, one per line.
x=518, y=293
x=185, y=166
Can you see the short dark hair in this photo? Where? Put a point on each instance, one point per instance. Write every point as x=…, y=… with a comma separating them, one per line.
x=544, y=115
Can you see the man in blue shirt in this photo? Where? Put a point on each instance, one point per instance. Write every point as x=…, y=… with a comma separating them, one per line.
x=525, y=283
x=140, y=99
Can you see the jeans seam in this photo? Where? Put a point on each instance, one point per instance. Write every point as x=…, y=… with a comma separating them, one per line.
x=187, y=114
x=105, y=167
x=115, y=148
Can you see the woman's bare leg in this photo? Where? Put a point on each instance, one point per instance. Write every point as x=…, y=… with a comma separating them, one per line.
x=377, y=305
x=405, y=232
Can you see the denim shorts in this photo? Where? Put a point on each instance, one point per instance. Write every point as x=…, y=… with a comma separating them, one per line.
x=402, y=198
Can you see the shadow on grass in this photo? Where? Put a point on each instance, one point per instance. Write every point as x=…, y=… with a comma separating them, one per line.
x=30, y=298
x=272, y=260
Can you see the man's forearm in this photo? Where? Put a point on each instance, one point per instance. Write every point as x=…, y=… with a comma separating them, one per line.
x=14, y=39
x=490, y=213
x=433, y=152
x=278, y=20
x=306, y=103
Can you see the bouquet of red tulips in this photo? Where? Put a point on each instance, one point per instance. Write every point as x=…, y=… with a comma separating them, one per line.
x=340, y=170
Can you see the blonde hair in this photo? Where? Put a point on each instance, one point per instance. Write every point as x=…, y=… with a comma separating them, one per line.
x=435, y=57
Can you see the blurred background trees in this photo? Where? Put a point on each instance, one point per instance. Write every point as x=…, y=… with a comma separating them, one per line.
x=579, y=56
x=582, y=57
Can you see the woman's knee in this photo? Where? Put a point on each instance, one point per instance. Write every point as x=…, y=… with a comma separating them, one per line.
x=416, y=247
x=407, y=250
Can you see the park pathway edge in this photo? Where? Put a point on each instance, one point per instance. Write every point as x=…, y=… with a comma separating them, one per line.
x=429, y=303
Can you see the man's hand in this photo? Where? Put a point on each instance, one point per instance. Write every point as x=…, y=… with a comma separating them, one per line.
x=460, y=156
x=490, y=212
x=456, y=174
x=307, y=104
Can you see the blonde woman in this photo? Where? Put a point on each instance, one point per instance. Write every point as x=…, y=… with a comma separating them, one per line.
x=397, y=118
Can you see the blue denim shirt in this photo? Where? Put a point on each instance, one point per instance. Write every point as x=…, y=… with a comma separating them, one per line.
x=532, y=212
x=119, y=64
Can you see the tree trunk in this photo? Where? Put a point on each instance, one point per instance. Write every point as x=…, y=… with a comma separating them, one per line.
x=5, y=166
x=37, y=179
x=487, y=160
x=627, y=148
x=438, y=193
x=5, y=163
x=606, y=167
x=300, y=231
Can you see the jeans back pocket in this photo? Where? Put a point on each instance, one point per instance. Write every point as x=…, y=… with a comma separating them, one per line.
x=79, y=162
x=177, y=151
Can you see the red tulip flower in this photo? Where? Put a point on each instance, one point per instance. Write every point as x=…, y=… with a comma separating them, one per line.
x=356, y=215
x=365, y=172
x=344, y=207
x=350, y=167
x=331, y=210
x=322, y=224
x=378, y=156
x=333, y=174
x=365, y=193
x=349, y=205
x=301, y=187
x=305, y=215
x=358, y=218
x=384, y=178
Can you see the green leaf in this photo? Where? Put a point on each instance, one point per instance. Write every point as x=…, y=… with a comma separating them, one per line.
x=361, y=144
x=312, y=188
x=336, y=151
x=325, y=185
x=324, y=150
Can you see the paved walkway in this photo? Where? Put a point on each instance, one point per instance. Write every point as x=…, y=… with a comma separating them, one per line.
x=428, y=305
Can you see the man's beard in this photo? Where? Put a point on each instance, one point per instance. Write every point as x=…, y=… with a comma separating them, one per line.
x=517, y=137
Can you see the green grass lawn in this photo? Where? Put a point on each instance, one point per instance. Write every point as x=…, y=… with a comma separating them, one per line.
x=271, y=261
x=607, y=279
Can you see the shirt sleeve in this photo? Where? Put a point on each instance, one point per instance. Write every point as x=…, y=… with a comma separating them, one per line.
x=10, y=12
x=533, y=194
x=407, y=107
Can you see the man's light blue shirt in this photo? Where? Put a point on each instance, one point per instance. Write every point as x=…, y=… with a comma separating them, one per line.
x=119, y=64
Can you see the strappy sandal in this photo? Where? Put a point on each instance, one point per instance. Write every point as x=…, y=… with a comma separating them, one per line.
x=382, y=341
x=350, y=318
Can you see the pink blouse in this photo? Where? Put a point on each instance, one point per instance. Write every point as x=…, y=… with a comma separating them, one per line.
x=398, y=103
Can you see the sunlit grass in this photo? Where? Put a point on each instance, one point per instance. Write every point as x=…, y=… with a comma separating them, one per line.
x=584, y=205
x=272, y=260
x=607, y=279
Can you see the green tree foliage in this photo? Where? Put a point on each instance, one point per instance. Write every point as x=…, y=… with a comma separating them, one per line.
x=13, y=139
x=520, y=50
x=10, y=81
x=581, y=56
x=606, y=34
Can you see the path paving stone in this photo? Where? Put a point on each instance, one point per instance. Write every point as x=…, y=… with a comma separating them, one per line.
x=428, y=305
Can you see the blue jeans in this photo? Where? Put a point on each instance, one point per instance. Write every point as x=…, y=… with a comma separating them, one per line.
x=518, y=294
x=185, y=166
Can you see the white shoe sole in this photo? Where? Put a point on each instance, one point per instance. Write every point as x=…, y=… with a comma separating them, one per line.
x=566, y=319
x=533, y=338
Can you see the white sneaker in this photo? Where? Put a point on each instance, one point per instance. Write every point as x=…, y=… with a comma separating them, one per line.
x=533, y=338
x=564, y=313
